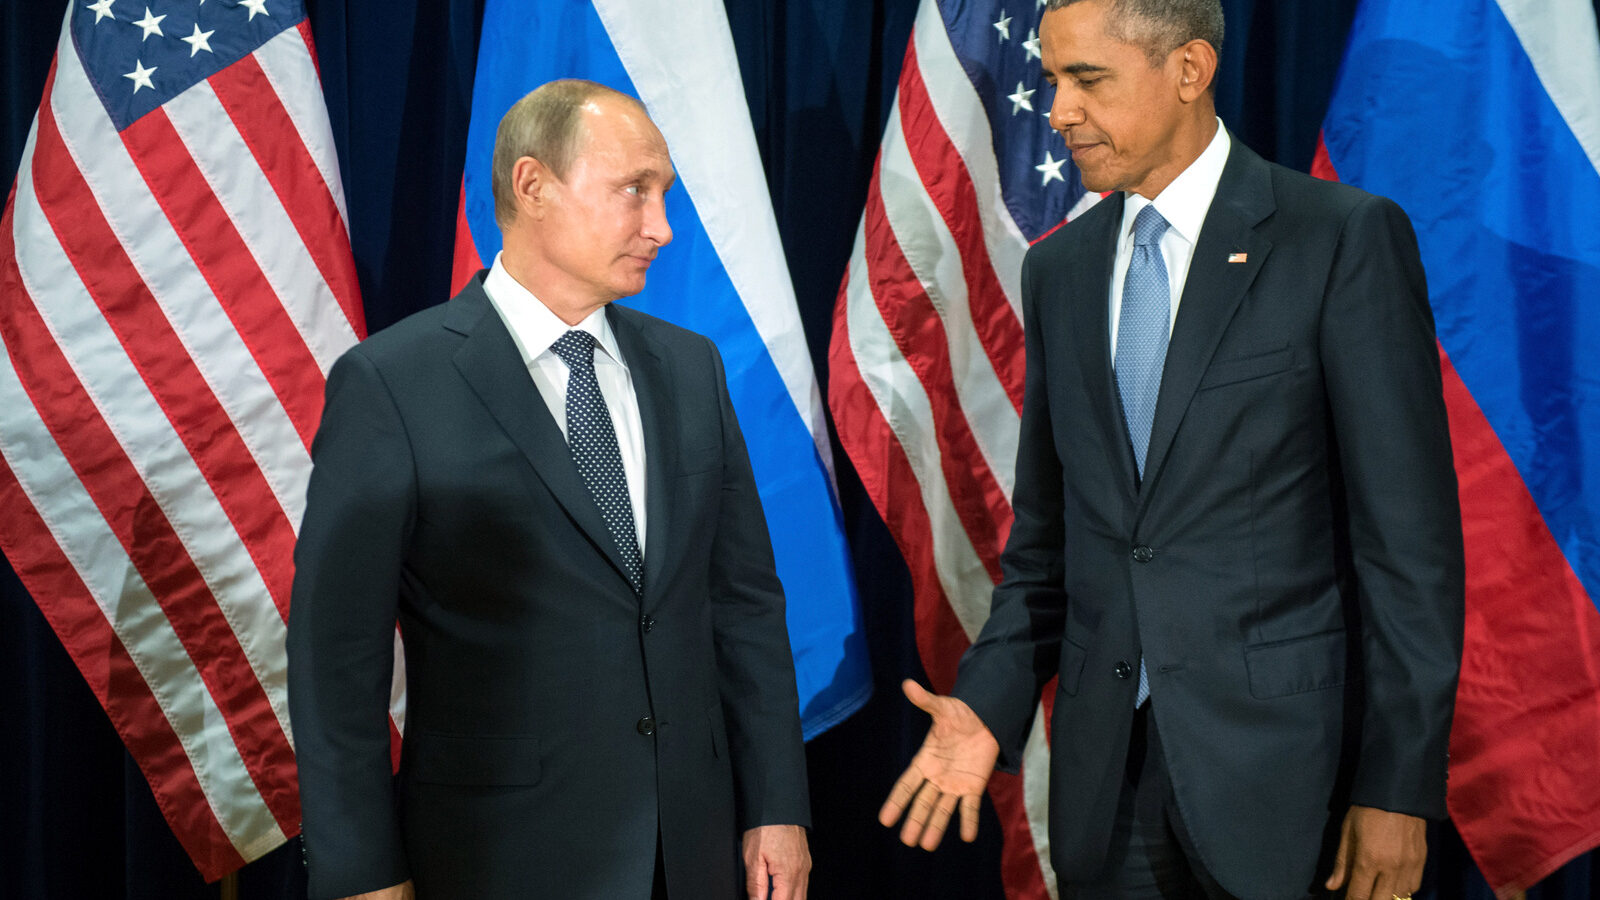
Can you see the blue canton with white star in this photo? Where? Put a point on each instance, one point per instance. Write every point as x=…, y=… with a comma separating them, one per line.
x=141, y=53
x=998, y=45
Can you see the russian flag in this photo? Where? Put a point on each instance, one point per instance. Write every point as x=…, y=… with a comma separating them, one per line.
x=723, y=275
x=1482, y=119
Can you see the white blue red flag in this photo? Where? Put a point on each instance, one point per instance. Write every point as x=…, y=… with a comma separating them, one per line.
x=1482, y=119
x=926, y=362
x=723, y=275
x=175, y=280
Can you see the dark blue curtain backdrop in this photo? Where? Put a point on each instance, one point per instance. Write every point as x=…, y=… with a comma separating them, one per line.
x=77, y=819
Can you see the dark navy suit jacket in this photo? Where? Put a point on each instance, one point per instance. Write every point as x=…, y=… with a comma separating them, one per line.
x=555, y=722
x=1291, y=565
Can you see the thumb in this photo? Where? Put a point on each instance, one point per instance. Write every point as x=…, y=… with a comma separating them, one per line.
x=919, y=696
x=1340, y=861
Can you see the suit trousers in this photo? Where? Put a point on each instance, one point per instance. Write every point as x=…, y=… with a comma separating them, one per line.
x=1152, y=856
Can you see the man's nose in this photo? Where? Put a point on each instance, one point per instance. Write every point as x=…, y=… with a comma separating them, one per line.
x=1065, y=110
x=655, y=227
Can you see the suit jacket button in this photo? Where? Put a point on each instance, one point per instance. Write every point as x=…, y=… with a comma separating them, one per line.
x=647, y=623
x=1123, y=670
x=1143, y=554
x=646, y=726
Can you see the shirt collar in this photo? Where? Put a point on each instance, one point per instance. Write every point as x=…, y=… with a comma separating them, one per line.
x=533, y=326
x=1185, y=202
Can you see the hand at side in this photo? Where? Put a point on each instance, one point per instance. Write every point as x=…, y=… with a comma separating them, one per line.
x=949, y=772
x=1380, y=854
x=777, y=854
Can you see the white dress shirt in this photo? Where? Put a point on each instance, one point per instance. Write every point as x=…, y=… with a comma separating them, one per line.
x=534, y=328
x=1184, y=204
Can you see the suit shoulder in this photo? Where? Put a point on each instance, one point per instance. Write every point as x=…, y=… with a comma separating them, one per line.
x=1093, y=221
x=1312, y=195
x=675, y=338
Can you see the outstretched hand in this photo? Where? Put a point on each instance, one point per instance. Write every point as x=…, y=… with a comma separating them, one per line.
x=949, y=772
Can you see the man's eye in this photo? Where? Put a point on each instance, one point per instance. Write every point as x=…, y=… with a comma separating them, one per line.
x=632, y=189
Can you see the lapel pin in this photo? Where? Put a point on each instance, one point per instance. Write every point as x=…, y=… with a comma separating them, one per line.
x=1238, y=257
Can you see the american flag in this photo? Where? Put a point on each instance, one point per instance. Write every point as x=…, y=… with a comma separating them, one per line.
x=926, y=361
x=175, y=280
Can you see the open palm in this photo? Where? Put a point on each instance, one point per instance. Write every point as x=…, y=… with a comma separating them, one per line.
x=948, y=773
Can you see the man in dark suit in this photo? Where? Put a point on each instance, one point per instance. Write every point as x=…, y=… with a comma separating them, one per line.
x=551, y=496
x=1237, y=541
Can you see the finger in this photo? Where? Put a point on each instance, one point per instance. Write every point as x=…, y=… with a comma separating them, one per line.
x=1341, y=861
x=921, y=809
x=802, y=886
x=969, y=818
x=1362, y=882
x=933, y=833
x=755, y=877
x=782, y=887
x=919, y=696
x=899, y=796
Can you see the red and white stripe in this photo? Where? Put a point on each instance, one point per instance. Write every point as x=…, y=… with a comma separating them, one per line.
x=173, y=297
x=926, y=372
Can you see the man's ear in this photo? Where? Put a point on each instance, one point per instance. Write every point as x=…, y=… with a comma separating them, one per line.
x=1197, y=62
x=530, y=186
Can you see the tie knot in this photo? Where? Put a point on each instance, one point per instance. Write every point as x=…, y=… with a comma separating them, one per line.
x=1148, y=226
x=576, y=349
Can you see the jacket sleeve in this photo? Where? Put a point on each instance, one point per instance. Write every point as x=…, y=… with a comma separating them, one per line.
x=359, y=509
x=1002, y=674
x=755, y=668
x=1381, y=369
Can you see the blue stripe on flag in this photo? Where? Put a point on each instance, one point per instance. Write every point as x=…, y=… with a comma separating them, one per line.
x=528, y=43
x=1508, y=230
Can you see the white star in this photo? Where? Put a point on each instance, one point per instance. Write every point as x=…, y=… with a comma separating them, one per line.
x=255, y=6
x=1020, y=100
x=150, y=24
x=102, y=10
x=1051, y=168
x=1031, y=45
x=1003, y=26
x=1040, y=6
x=199, y=41
x=141, y=76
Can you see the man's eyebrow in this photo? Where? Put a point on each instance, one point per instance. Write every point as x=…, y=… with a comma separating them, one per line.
x=1082, y=69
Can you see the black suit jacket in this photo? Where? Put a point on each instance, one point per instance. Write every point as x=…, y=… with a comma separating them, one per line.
x=1291, y=565
x=555, y=722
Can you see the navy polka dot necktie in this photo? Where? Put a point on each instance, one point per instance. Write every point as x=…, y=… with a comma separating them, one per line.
x=1143, y=329
x=593, y=441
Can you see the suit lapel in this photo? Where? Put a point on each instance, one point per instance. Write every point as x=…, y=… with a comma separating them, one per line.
x=1094, y=257
x=1211, y=294
x=652, y=377
x=489, y=362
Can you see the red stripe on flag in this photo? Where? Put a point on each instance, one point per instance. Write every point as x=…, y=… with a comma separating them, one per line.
x=253, y=105
x=146, y=535
x=1525, y=744
x=130, y=704
x=163, y=362
x=945, y=177
x=909, y=315
x=225, y=261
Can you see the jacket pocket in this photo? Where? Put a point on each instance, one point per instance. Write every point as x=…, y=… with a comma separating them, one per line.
x=1295, y=666
x=1233, y=371
x=464, y=759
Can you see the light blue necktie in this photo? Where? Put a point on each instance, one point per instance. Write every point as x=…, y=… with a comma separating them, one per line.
x=593, y=441
x=1143, y=327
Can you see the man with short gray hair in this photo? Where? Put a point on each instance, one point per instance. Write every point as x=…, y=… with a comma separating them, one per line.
x=1237, y=543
